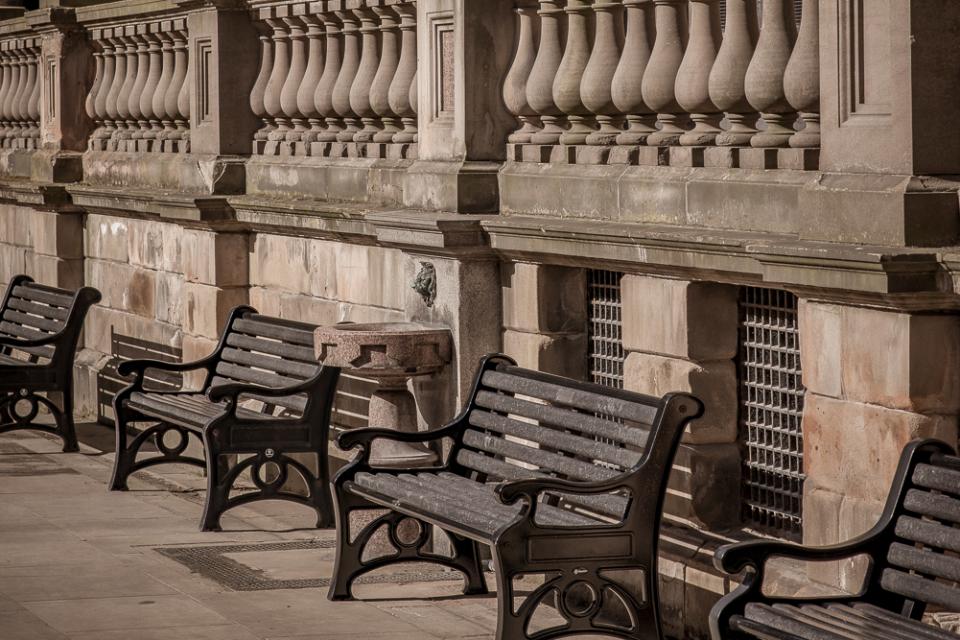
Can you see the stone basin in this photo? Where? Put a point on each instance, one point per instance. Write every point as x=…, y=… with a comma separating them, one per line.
x=384, y=350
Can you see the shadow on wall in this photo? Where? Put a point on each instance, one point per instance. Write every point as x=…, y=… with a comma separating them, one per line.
x=129, y=348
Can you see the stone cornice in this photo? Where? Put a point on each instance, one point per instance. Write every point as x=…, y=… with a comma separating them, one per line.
x=120, y=11
x=189, y=210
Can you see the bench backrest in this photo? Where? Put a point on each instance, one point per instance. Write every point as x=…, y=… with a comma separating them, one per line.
x=916, y=560
x=527, y=424
x=269, y=352
x=33, y=311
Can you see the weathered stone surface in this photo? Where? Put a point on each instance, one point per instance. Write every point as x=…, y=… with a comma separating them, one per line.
x=846, y=441
x=281, y=262
x=205, y=307
x=543, y=298
x=692, y=320
x=715, y=383
x=705, y=485
x=57, y=234
x=146, y=242
x=821, y=347
x=107, y=238
x=220, y=259
x=103, y=323
x=170, y=297
x=123, y=287
x=901, y=361
x=562, y=354
x=54, y=271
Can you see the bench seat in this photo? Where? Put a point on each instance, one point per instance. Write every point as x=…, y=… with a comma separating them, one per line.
x=833, y=621
x=190, y=410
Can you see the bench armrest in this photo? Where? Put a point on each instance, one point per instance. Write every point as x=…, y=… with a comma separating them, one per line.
x=511, y=492
x=364, y=437
x=734, y=558
x=10, y=341
x=140, y=366
x=232, y=392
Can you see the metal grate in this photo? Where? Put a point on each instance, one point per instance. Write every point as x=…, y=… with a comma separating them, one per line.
x=605, y=328
x=771, y=408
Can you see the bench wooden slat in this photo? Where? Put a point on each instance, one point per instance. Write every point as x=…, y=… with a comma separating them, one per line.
x=296, y=402
x=848, y=625
x=23, y=333
x=39, y=309
x=46, y=295
x=564, y=418
x=924, y=561
x=929, y=533
x=34, y=322
x=612, y=506
x=263, y=378
x=893, y=619
x=938, y=478
x=593, y=450
x=566, y=467
x=258, y=326
x=782, y=621
x=918, y=588
x=933, y=505
x=282, y=366
x=759, y=631
x=583, y=396
x=184, y=410
x=272, y=347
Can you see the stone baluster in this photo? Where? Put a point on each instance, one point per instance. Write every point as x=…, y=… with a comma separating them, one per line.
x=323, y=96
x=139, y=84
x=366, y=72
x=131, y=62
x=297, y=30
x=6, y=74
x=764, y=82
x=596, y=87
x=155, y=50
x=414, y=107
x=693, y=77
x=115, y=120
x=386, y=72
x=183, y=103
x=33, y=102
x=160, y=96
x=801, y=81
x=404, y=82
x=566, y=86
x=278, y=76
x=17, y=112
x=515, y=84
x=544, y=73
x=627, y=83
x=171, y=100
x=348, y=73
x=728, y=77
x=258, y=93
x=660, y=79
x=311, y=79
x=109, y=69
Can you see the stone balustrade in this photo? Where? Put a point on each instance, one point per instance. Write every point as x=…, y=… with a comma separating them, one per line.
x=19, y=93
x=727, y=83
x=140, y=97
x=337, y=79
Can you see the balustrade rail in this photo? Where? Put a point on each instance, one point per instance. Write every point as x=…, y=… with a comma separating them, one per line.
x=140, y=99
x=337, y=82
x=665, y=73
x=19, y=93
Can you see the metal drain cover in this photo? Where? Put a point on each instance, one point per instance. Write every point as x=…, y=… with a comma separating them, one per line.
x=213, y=562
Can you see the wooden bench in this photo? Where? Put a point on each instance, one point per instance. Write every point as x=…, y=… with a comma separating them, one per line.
x=264, y=396
x=913, y=564
x=558, y=477
x=39, y=331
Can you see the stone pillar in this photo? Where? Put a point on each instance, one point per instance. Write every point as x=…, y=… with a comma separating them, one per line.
x=889, y=100
x=682, y=336
x=545, y=317
x=465, y=49
x=66, y=66
x=875, y=380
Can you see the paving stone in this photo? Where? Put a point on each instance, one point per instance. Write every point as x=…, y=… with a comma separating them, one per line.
x=59, y=582
x=133, y=612
x=22, y=625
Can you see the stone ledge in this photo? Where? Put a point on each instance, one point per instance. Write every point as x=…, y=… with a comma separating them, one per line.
x=42, y=197
x=902, y=278
x=185, y=173
x=165, y=205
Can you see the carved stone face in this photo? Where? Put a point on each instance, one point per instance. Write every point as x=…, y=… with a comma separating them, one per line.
x=426, y=283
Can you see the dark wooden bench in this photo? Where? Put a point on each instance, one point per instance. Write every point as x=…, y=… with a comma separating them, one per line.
x=39, y=331
x=913, y=564
x=264, y=396
x=558, y=477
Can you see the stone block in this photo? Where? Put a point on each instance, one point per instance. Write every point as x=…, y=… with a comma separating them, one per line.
x=103, y=323
x=308, y=309
x=281, y=262
x=562, y=354
x=123, y=287
x=265, y=300
x=206, y=307
x=758, y=159
x=692, y=320
x=845, y=442
x=195, y=348
x=821, y=347
x=722, y=157
x=322, y=257
x=107, y=238
x=705, y=486
x=58, y=234
x=170, y=235
x=146, y=243
x=56, y=272
x=16, y=224
x=714, y=382
x=169, y=297
x=220, y=259
x=901, y=361
x=543, y=298
x=821, y=514
x=13, y=261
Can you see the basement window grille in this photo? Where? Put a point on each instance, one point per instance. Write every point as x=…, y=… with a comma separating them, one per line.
x=771, y=408
x=605, y=328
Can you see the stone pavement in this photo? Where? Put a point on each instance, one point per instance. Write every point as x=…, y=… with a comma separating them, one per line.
x=79, y=562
